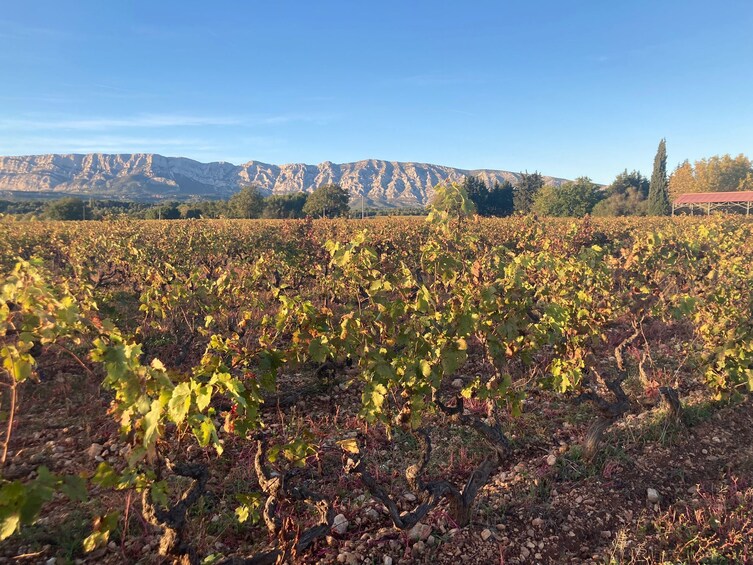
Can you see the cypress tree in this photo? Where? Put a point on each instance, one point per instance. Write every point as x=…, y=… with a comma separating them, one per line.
x=658, y=195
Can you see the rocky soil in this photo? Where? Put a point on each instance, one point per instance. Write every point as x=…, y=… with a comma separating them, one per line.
x=658, y=491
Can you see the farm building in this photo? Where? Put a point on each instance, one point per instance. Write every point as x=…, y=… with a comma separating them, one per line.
x=710, y=201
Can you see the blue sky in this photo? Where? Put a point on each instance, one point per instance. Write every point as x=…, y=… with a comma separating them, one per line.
x=565, y=87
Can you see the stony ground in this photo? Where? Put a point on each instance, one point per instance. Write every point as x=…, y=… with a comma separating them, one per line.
x=657, y=492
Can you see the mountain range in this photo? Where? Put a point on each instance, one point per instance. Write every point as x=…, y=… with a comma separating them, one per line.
x=148, y=176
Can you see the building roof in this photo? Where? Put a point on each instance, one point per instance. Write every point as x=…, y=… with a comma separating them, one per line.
x=715, y=197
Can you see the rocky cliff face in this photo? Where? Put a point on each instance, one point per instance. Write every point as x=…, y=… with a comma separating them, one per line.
x=150, y=176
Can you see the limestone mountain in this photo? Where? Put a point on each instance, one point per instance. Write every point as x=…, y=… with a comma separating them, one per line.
x=145, y=176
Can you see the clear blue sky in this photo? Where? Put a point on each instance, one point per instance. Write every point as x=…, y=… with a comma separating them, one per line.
x=568, y=88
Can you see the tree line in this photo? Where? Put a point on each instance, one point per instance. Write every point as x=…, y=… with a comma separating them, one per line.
x=629, y=194
x=326, y=201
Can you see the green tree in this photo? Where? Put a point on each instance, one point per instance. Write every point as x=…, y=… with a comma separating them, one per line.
x=327, y=201
x=626, y=181
x=500, y=199
x=626, y=196
x=190, y=212
x=477, y=191
x=68, y=209
x=576, y=198
x=525, y=191
x=167, y=211
x=658, y=193
x=285, y=205
x=247, y=203
x=628, y=203
x=495, y=201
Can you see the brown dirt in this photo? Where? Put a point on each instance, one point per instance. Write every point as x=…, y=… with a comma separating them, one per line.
x=572, y=511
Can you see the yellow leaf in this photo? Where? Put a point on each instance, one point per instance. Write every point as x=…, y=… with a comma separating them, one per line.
x=349, y=445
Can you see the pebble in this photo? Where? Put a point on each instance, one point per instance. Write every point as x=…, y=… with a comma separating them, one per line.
x=387, y=560
x=95, y=450
x=652, y=495
x=419, y=532
x=457, y=383
x=410, y=497
x=486, y=534
x=551, y=460
x=340, y=526
x=371, y=514
x=538, y=522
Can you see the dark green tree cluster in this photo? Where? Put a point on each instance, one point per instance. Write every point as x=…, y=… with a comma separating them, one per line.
x=494, y=201
x=285, y=205
x=525, y=191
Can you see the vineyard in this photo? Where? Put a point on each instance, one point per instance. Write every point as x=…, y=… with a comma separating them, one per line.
x=436, y=390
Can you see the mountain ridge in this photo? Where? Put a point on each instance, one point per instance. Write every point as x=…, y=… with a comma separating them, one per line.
x=151, y=176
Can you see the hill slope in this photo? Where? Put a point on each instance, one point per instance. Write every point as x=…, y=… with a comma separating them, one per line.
x=148, y=176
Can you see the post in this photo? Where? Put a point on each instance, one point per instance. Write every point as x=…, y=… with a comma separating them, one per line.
x=673, y=208
x=362, y=198
x=747, y=208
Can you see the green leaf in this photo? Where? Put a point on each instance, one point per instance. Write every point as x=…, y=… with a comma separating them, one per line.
x=318, y=351
x=105, y=476
x=373, y=398
x=159, y=493
x=151, y=424
x=180, y=402
x=74, y=487
x=103, y=527
x=203, y=396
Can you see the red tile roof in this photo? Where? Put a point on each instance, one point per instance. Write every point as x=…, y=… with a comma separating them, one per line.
x=715, y=197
